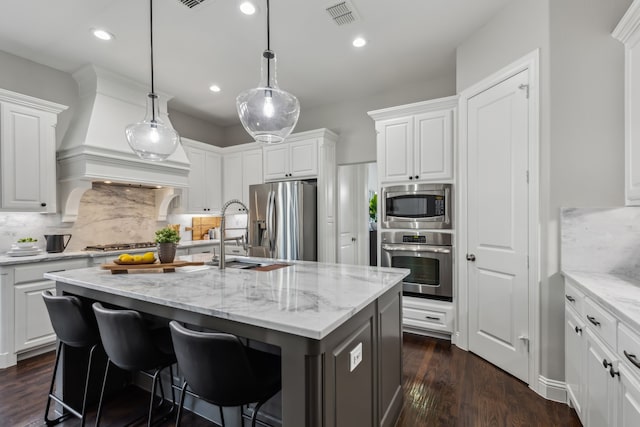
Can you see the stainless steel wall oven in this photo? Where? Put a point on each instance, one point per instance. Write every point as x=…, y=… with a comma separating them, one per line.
x=428, y=255
x=417, y=206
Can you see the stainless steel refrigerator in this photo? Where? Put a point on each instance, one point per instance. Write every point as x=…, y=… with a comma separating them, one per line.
x=282, y=220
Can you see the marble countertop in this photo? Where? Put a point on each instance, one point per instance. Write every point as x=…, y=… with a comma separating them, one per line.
x=618, y=294
x=306, y=298
x=44, y=256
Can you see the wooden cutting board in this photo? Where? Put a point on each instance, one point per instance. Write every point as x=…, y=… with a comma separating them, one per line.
x=166, y=268
x=200, y=226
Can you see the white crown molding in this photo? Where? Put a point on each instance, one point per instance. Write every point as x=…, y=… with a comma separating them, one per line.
x=32, y=102
x=629, y=23
x=415, y=108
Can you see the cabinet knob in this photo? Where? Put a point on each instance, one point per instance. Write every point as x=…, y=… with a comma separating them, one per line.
x=43, y=204
x=578, y=330
x=471, y=257
x=410, y=177
x=417, y=176
x=606, y=364
x=614, y=373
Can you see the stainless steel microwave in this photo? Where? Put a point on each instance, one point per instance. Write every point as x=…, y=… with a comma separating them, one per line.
x=417, y=206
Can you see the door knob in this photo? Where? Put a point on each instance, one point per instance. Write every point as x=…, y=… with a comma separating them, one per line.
x=471, y=257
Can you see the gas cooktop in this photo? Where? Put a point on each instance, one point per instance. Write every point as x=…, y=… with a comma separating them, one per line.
x=120, y=246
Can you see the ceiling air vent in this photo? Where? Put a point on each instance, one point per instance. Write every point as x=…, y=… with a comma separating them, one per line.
x=191, y=3
x=342, y=13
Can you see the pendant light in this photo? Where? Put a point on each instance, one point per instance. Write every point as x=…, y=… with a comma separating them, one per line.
x=267, y=112
x=151, y=139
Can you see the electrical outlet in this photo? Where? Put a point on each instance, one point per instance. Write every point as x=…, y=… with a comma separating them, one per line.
x=355, y=357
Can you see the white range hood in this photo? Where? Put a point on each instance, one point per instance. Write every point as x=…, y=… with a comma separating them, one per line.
x=95, y=147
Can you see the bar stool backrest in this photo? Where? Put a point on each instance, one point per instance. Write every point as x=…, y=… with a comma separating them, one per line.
x=214, y=365
x=126, y=338
x=71, y=321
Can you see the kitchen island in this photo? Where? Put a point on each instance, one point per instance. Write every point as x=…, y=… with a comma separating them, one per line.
x=338, y=327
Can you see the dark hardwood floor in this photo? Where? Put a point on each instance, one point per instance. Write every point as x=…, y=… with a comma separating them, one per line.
x=443, y=386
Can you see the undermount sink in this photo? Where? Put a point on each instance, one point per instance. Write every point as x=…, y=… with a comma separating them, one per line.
x=241, y=264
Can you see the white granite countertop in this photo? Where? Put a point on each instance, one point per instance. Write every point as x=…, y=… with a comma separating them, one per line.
x=617, y=293
x=306, y=298
x=44, y=256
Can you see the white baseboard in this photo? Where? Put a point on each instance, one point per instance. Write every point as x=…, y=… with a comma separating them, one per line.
x=552, y=389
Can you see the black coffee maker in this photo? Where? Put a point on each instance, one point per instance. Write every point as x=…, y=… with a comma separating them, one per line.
x=56, y=243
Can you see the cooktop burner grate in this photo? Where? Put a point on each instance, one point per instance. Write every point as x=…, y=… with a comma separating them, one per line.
x=120, y=246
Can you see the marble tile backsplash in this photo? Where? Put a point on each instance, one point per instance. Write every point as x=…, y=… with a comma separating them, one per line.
x=604, y=240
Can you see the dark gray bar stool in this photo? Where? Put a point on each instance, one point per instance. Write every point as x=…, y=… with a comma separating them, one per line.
x=132, y=346
x=219, y=369
x=75, y=327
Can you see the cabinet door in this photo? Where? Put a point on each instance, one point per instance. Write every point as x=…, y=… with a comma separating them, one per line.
x=574, y=360
x=212, y=181
x=32, y=325
x=433, y=146
x=196, y=193
x=251, y=172
x=27, y=159
x=629, y=400
x=395, y=149
x=303, y=159
x=232, y=177
x=276, y=162
x=600, y=386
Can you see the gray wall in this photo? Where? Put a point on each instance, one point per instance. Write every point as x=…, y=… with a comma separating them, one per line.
x=357, y=137
x=195, y=128
x=581, y=140
x=30, y=78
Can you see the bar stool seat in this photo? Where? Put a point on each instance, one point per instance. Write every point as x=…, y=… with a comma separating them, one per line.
x=218, y=368
x=75, y=327
x=131, y=345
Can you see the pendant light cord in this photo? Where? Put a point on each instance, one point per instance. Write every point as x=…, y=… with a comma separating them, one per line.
x=270, y=55
x=268, y=28
x=153, y=98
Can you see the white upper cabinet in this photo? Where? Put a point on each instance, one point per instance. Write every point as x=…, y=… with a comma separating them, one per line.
x=28, y=152
x=628, y=32
x=416, y=141
x=291, y=160
x=205, y=178
x=241, y=169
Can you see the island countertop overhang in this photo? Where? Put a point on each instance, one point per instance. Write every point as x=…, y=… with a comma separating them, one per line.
x=307, y=299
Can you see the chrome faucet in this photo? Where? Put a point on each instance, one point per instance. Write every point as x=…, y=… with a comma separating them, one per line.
x=245, y=238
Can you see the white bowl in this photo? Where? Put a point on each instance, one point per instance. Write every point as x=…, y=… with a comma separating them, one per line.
x=23, y=245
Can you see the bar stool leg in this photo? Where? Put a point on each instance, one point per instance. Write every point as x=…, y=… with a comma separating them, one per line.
x=181, y=404
x=104, y=386
x=53, y=381
x=255, y=413
x=86, y=386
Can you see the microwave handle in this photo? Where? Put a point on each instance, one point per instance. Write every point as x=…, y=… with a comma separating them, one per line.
x=413, y=248
x=447, y=198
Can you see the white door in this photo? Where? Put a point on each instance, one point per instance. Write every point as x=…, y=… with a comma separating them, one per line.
x=497, y=223
x=347, y=209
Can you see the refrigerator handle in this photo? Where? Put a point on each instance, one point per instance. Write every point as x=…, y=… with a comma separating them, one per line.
x=270, y=221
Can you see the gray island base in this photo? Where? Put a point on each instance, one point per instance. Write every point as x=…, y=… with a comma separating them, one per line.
x=338, y=328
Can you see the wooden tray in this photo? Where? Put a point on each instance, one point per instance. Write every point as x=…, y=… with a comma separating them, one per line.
x=166, y=268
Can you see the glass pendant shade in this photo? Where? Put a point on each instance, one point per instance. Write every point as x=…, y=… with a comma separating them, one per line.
x=267, y=112
x=151, y=139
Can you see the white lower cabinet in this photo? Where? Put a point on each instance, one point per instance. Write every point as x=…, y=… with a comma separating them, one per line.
x=629, y=399
x=574, y=359
x=420, y=315
x=601, y=384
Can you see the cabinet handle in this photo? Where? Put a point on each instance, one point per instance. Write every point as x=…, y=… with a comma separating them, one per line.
x=43, y=204
x=431, y=318
x=632, y=358
x=570, y=298
x=606, y=364
x=593, y=320
x=578, y=330
x=614, y=373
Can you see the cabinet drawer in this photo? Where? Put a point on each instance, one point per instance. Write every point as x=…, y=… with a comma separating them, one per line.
x=427, y=314
x=573, y=297
x=35, y=271
x=629, y=348
x=600, y=321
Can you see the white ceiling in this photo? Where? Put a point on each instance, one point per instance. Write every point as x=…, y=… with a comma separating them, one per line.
x=408, y=40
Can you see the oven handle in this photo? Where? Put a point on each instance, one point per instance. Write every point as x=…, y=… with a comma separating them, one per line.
x=413, y=248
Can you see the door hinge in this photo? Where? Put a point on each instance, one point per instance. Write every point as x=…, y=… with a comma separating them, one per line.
x=524, y=87
x=525, y=340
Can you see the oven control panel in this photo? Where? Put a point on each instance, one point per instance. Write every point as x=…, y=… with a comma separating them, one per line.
x=414, y=239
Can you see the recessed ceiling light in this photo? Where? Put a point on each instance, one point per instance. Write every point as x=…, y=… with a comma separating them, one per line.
x=214, y=88
x=102, y=34
x=247, y=8
x=359, y=42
